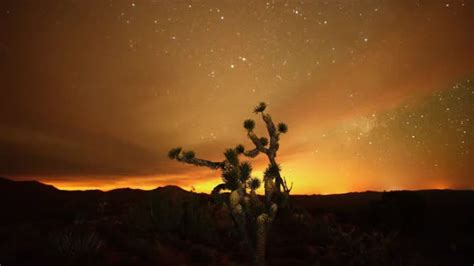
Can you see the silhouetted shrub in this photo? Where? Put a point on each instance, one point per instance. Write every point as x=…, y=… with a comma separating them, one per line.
x=189, y=216
x=76, y=244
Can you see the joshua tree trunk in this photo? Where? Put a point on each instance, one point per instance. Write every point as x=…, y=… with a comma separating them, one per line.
x=278, y=179
x=261, y=239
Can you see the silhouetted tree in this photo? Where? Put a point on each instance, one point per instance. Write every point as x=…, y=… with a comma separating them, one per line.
x=251, y=216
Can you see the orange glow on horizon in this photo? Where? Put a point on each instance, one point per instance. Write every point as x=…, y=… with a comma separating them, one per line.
x=309, y=176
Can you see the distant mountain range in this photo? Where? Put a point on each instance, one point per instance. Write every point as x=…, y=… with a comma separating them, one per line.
x=41, y=224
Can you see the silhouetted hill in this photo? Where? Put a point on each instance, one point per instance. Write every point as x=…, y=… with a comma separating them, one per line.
x=170, y=226
x=28, y=186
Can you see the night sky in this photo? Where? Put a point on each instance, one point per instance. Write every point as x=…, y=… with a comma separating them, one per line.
x=378, y=95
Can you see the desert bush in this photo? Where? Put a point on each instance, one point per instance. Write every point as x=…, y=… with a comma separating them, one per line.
x=76, y=244
x=165, y=213
x=346, y=244
x=189, y=216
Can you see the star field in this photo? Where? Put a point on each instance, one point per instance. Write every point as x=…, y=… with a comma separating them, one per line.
x=377, y=94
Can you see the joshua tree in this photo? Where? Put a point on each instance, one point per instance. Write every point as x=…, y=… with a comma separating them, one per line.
x=251, y=216
x=272, y=173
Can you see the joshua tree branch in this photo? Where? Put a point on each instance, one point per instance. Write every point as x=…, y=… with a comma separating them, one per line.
x=285, y=185
x=256, y=142
x=201, y=162
x=272, y=132
x=252, y=153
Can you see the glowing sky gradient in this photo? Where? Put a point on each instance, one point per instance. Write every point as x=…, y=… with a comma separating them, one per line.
x=378, y=95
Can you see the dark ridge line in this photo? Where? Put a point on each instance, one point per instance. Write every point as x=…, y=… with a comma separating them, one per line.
x=178, y=188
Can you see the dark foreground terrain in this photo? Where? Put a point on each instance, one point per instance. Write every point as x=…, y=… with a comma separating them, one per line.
x=41, y=225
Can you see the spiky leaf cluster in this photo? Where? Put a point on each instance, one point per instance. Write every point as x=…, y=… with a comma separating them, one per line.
x=240, y=149
x=174, y=153
x=282, y=128
x=231, y=178
x=260, y=107
x=254, y=183
x=245, y=171
x=232, y=157
x=235, y=174
x=189, y=155
x=249, y=124
x=272, y=171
